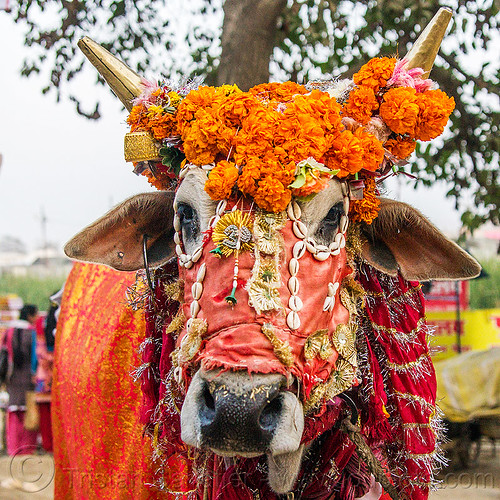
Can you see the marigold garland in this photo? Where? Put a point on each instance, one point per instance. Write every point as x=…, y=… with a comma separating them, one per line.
x=366, y=210
x=400, y=147
x=361, y=104
x=375, y=73
x=280, y=140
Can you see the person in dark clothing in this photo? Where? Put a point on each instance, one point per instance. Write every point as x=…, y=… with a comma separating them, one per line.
x=21, y=344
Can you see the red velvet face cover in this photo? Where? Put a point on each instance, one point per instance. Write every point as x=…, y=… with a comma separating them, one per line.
x=237, y=336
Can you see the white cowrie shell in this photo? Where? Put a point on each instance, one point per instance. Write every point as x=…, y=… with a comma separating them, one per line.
x=178, y=251
x=293, y=320
x=342, y=241
x=178, y=375
x=338, y=239
x=298, y=249
x=311, y=245
x=293, y=266
x=333, y=246
x=332, y=289
x=197, y=254
x=290, y=213
x=189, y=322
x=183, y=173
x=209, y=166
x=321, y=256
x=188, y=264
x=177, y=238
x=201, y=272
x=321, y=248
x=293, y=285
x=195, y=308
x=299, y=229
x=336, y=252
x=221, y=207
x=295, y=303
x=328, y=304
x=297, y=212
x=197, y=290
x=344, y=222
x=177, y=223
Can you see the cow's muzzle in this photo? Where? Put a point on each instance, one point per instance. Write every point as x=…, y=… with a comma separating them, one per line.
x=236, y=413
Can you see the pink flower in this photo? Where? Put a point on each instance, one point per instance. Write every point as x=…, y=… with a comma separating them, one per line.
x=402, y=77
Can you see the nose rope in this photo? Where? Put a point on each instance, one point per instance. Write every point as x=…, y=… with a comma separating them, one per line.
x=146, y=263
x=366, y=454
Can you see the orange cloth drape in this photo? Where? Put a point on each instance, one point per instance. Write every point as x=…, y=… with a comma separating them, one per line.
x=99, y=449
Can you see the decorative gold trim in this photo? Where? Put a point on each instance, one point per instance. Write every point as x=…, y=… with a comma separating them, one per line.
x=343, y=340
x=318, y=344
x=282, y=349
x=140, y=146
x=176, y=324
x=191, y=343
x=232, y=233
x=396, y=333
x=410, y=365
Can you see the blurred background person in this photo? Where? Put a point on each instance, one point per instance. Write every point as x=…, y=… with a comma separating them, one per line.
x=45, y=357
x=21, y=344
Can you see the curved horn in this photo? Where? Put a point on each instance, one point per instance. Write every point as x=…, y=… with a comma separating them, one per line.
x=124, y=82
x=425, y=49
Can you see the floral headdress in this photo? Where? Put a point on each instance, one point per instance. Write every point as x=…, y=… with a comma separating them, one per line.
x=279, y=141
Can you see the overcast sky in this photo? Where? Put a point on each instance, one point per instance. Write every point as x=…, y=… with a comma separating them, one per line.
x=72, y=169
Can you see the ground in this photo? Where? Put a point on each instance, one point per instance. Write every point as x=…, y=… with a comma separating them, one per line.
x=480, y=482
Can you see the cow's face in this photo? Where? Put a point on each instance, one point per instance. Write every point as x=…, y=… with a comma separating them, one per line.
x=253, y=368
x=267, y=336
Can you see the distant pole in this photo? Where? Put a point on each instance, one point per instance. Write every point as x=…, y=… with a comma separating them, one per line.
x=458, y=323
x=43, y=222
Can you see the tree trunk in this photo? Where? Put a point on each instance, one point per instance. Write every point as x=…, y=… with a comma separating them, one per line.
x=248, y=36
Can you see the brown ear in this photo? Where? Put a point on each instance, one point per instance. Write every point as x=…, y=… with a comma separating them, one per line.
x=402, y=238
x=116, y=239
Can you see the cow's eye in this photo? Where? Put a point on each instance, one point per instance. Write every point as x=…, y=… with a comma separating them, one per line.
x=328, y=227
x=189, y=222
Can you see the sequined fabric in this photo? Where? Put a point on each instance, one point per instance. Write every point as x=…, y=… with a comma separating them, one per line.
x=99, y=449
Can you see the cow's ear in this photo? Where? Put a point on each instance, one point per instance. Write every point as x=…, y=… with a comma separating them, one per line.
x=401, y=238
x=116, y=239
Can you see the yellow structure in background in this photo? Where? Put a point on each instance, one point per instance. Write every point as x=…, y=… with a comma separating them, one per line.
x=480, y=331
x=469, y=386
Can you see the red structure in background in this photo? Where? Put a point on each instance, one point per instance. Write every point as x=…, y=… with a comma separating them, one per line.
x=443, y=296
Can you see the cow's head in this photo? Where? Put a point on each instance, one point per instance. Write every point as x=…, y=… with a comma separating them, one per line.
x=275, y=201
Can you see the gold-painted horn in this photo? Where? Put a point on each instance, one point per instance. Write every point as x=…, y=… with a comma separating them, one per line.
x=425, y=49
x=124, y=82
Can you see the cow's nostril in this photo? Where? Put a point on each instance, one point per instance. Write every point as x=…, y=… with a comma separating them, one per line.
x=207, y=409
x=270, y=414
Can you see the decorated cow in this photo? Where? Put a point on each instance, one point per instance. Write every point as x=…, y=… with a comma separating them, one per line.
x=286, y=353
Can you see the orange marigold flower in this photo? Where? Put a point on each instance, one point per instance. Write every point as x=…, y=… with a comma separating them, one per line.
x=134, y=118
x=373, y=151
x=221, y=180
x=366, y=209
x=281, y=92
x=345, y=155
x=375, y=72
x=272, y=195
x=400, y=110
x=250, y=174
x=435, y=107
x=236, y=108
x=361, y=104
x=400, y=147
